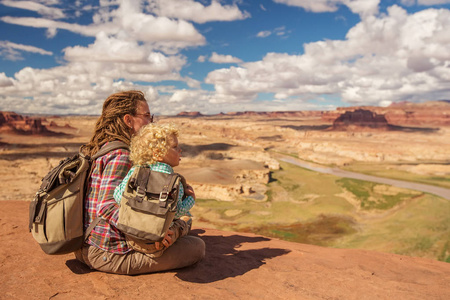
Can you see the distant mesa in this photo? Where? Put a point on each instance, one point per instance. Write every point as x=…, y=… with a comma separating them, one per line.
x=53, y=124
x=190, y=114
x=360, y=119
x=13, y=123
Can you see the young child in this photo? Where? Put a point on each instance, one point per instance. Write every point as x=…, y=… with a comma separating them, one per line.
x=156, y=146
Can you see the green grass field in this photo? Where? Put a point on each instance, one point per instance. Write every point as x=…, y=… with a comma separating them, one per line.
x=322, y=209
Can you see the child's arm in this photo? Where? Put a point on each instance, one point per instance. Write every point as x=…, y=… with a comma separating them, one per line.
x=184, y=205
x=120, y=189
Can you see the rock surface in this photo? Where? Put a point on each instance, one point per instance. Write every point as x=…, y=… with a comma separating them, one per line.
x=360, y=118
x=236, y=266
x=11, y=122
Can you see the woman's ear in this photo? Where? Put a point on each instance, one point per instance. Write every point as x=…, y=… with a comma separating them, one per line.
x=128, y=120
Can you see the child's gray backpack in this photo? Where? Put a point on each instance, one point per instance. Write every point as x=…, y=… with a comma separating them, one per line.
x=149, y=204
x=56, y=212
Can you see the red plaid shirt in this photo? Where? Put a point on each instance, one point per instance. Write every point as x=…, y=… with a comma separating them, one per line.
x=108, y=172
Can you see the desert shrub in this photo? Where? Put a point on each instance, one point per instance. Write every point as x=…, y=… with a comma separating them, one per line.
x=443, y=256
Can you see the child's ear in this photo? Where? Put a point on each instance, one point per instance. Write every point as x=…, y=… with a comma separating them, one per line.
x=157, y=157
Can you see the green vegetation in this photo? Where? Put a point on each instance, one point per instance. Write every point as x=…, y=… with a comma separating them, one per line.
x=321, y=209
x=421, y=228
x=369, y=197
x=445, y=253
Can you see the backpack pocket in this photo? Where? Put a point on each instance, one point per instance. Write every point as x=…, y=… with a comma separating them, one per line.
x=148, y=205
x=56, y=213
x=145, y=220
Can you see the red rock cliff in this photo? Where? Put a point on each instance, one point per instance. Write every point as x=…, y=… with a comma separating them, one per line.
x=18, y=124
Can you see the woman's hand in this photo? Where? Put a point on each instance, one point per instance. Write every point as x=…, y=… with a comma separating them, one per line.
x=167, y=240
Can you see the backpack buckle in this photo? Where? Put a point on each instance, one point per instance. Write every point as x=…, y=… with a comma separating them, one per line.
x=140, y=193
x=163, y=196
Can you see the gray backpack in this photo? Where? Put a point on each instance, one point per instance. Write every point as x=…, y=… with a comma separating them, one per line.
x=56, y=212
x=149, y=204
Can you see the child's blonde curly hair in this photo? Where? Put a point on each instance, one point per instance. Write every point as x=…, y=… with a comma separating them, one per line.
x=151, y=143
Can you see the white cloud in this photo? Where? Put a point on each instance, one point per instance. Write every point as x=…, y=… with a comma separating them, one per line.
x=423, y=2
x=130, y=48
x=388, y=58
x=76, y=88
x=195, y=11
x=49, y=12
x=313, y=5
x=408, y=2
x=5, y=81
x=361, y=7
x=383, y=59
x=279, y=31
x=127, y=22
x=264, y=34
x=432, y=2
x=171, y=101
x=223, y=59
x=13, y=51
x=183, y=95
x=201, y=58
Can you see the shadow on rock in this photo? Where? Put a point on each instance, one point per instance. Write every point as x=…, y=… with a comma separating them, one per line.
x=308, y=127
x=78, y=267
x=194, y=150
x=223, y=258
x=412, y=129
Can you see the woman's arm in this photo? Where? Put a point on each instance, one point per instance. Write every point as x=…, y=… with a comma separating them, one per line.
x=115, y=168
x=178, y=229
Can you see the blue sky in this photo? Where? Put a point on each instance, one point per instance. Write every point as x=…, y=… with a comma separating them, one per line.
x=221, y=56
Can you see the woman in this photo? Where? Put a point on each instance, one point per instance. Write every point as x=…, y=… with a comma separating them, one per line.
x=123, y=114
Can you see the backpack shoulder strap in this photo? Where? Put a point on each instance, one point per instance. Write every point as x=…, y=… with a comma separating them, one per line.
x=114, y=145
x=183, y=183
x=141, y=182
x=183, y=180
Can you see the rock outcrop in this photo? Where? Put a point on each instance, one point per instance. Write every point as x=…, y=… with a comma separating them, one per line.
x=189, y=114
x=360, y=119
x=11, y=122
x=236, y=266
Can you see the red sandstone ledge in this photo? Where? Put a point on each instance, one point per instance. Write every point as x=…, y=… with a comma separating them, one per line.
x=236, y=266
